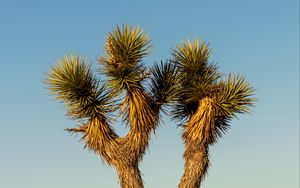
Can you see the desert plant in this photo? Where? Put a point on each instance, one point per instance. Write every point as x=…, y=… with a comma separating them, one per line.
x=95, y=103
x=206, y=103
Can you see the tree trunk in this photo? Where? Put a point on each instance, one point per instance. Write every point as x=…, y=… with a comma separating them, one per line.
x=195, y=168
x=198, y=134
x=124, y=153
x=129, y=176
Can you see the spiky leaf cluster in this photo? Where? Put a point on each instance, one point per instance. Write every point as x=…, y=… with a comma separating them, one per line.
x=234, y=96
x=198, y=77
x=164, y=80
x=73, y=83
x=122, y=62
x=201, y=79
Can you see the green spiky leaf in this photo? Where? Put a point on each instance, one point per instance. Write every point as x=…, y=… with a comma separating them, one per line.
x=235, y=96
x=200, y=79
x=198, y=76
x=191, y=56
x=164, y=82
x=73, y=83
x=122, y=61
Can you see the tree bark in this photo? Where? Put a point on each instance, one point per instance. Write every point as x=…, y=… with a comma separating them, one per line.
x=125, y=153
x=198, y=134
x=195, y=168
x=129, y=176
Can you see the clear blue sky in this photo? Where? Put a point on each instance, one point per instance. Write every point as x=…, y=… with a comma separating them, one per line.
x=258, y=38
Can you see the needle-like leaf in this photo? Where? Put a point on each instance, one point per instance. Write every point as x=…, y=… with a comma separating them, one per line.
x=73, y=83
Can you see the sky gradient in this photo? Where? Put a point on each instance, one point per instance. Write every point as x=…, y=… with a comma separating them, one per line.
x=258, y=38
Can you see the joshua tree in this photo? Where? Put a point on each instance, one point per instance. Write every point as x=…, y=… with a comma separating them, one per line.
x=94, y=102
x=205, y=106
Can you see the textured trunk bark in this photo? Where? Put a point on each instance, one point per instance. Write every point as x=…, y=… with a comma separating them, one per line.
x=195, y=168
x=129, y=176
x=198, y=134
